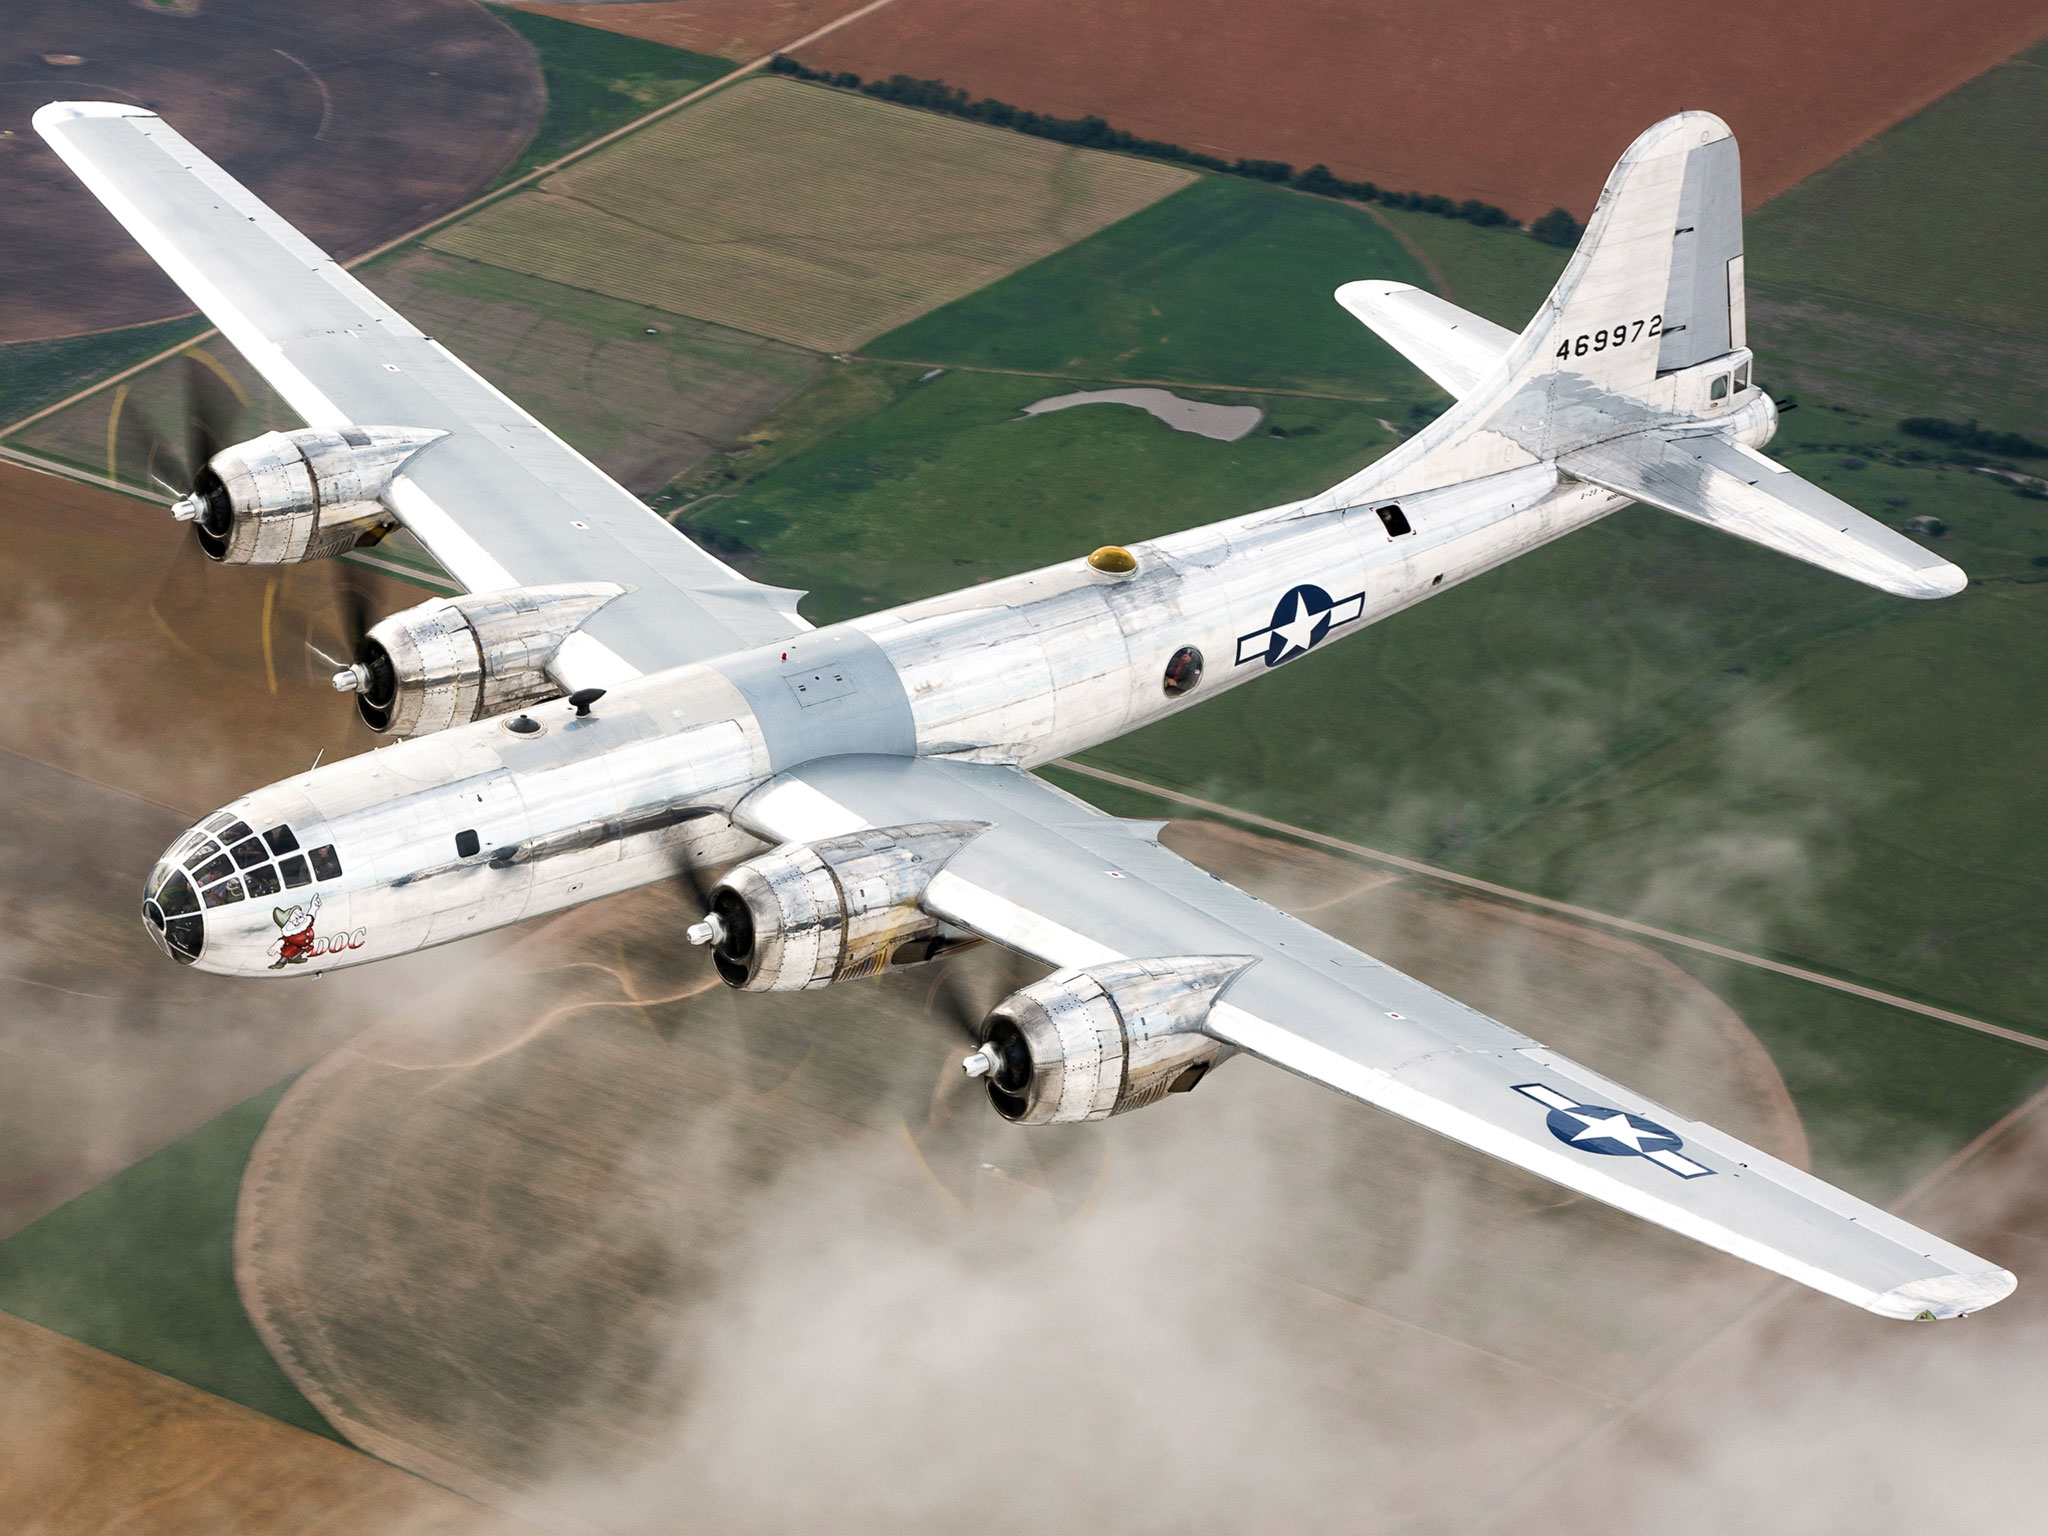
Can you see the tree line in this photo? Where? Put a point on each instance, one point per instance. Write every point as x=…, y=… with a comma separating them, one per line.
x=1968, y=435
x=1091, y=132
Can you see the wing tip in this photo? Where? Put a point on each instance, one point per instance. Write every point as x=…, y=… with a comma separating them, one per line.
x=1352, y=295
x=1942, y=579
x=1945, y=1296
x=57, y=113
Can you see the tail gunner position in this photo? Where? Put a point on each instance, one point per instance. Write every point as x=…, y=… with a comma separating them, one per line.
x=608, y=704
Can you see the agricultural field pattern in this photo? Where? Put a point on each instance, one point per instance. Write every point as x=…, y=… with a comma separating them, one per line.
x=812, y=328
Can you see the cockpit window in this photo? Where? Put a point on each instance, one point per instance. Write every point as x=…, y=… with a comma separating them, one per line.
x=176, y=898
x=263, y=881
x=281, y=840
x=294, y=871
x=235, y=831
x=224, y=894
x=250, y=852
x=216, y=868
x=326, y=863
x=193, y=845
x=220, y=822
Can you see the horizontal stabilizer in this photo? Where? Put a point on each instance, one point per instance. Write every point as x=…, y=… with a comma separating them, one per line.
x=1714, y=480
x=1453, y=346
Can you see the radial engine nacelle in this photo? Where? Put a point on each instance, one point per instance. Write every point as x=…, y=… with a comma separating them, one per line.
x=808, y=914
x=457, y=659
x=285, y=497
x=1085, y=1045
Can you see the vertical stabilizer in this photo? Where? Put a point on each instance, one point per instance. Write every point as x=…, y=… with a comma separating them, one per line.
x=1648, y=289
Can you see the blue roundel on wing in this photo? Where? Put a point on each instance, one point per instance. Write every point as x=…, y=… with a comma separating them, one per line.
x=1615, y=1132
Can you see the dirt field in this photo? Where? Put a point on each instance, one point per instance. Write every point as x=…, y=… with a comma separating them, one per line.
x=785, y=1263
x=1491, y=99
x=356, y=122
x=91, y=1443
x=733, y=29
x=815, y=217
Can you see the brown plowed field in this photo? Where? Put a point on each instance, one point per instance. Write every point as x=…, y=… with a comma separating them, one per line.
x=90, y=1443
x=1522, y=106
x=732, y=29
x=356, y=122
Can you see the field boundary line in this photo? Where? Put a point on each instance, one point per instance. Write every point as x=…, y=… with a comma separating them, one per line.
x=1562, y=908
x=1096, y=378
x=495, y=194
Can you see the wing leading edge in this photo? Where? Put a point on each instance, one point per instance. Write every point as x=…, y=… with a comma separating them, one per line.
x=501, y=502
x=1068, y=885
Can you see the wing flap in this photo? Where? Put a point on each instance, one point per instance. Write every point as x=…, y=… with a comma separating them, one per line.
x=1714, y=480
x=1453, y=346
x=1062, y=882
x=502, y=501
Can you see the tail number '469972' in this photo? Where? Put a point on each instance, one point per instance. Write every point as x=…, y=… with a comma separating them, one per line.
x=1619, y=336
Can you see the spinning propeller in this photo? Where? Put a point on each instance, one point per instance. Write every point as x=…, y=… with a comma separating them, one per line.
x=175, y=461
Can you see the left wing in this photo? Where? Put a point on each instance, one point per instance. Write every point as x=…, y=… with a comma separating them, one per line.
x=1060, y=881
x=501, y=501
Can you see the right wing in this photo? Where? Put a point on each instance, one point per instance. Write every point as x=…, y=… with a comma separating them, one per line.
x=1712, y=479
x=1058, y=880
x=501, y=502
x=1453, y=346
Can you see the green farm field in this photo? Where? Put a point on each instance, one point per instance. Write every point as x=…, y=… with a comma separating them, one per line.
x=817, y=217
x=1907, y=277
x=143, y=1267
x=1224, y=284
x=948, y=484
x=597, y=81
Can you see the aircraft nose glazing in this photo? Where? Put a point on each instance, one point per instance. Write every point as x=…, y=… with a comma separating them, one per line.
x=171, y=913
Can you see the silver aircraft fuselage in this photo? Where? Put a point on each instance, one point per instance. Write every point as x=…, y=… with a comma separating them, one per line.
x=472, y=828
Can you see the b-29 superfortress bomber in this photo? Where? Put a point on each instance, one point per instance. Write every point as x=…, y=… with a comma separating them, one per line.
x=607, y=704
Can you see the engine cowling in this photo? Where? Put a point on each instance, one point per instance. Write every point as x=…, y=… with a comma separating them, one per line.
x=457, y=659
x=808, y=914
x=1088, y=1044
x=286, y=497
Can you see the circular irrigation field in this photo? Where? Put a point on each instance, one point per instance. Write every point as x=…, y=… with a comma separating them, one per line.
x=355, y=122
